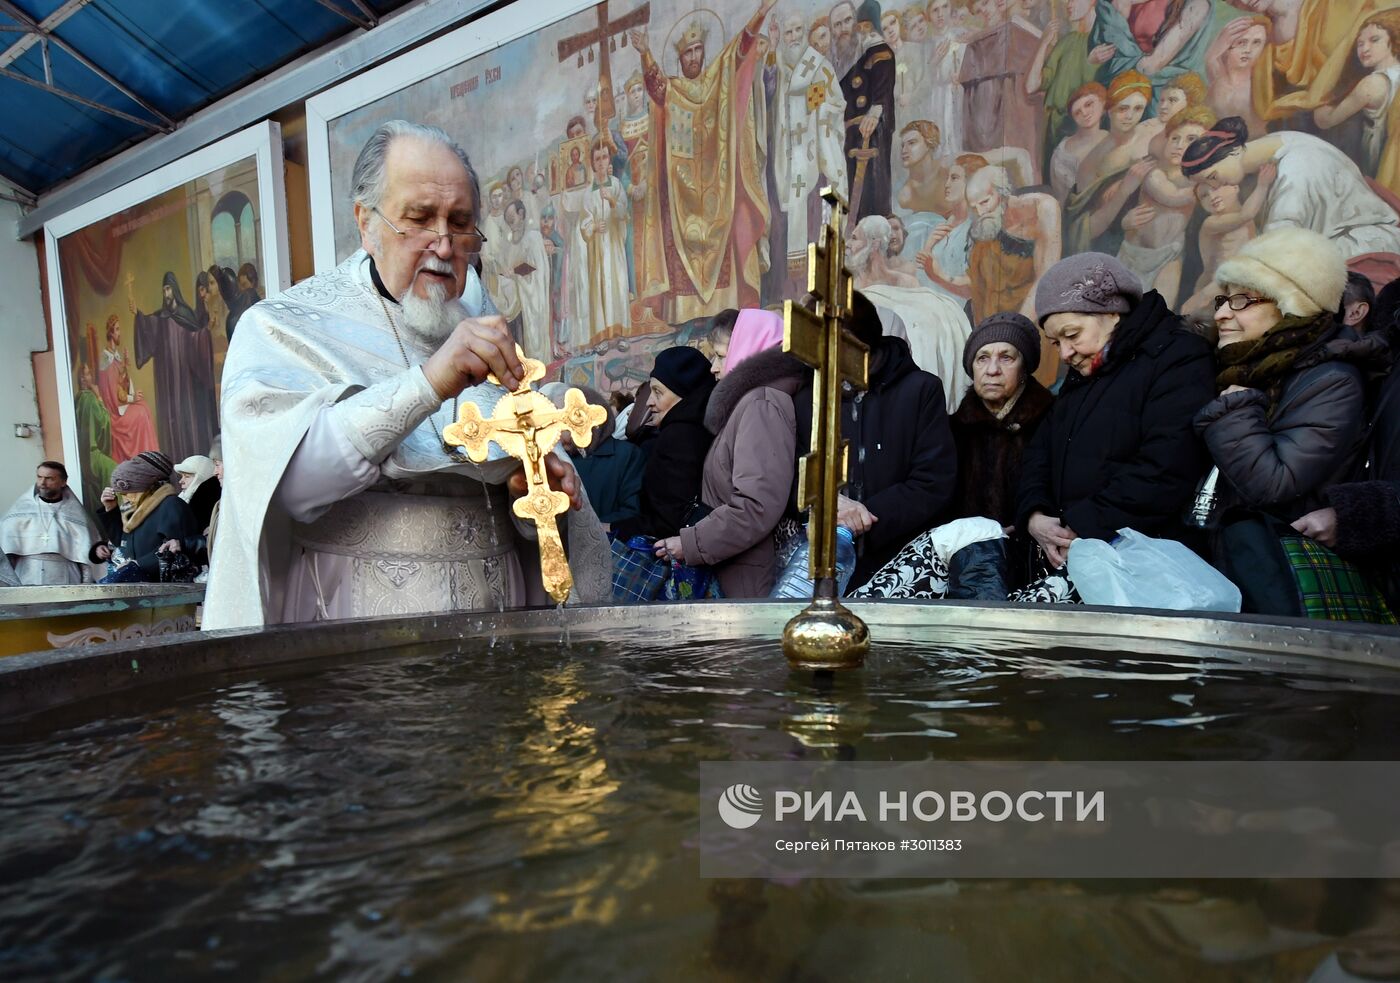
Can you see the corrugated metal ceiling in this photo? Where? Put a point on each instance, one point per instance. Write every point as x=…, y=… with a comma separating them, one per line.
x=81, y=80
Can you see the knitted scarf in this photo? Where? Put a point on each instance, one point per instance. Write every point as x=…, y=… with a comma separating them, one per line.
x=145, y=505
x=1264, y=362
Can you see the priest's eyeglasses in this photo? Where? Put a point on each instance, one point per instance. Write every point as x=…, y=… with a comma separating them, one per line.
x=1238, y=302
x=418, y=237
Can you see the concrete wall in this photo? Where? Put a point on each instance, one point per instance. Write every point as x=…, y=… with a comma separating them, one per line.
x=22, y=334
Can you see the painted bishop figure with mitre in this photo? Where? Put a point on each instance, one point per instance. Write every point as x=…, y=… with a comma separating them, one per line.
x=707, y=168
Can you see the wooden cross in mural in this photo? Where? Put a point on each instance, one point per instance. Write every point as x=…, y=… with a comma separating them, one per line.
x=526, y=425
x=601, y=36
x=820, y=337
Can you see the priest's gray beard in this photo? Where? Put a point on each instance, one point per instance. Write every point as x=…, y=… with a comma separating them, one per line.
x=429, y=320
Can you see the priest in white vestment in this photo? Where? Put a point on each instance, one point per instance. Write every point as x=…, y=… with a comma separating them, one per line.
x=604, y=228
x=47, y=536
x=342, y=500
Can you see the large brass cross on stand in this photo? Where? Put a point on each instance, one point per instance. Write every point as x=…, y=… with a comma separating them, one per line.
x=826, y=635
x=526, y=425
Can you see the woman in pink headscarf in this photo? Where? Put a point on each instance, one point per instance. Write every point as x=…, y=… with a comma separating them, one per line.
x=750, y=466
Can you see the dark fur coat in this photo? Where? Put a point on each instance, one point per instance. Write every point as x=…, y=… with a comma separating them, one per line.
x=990, y=452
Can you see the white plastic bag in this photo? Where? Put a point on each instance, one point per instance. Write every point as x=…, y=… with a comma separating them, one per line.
x=1138, y=571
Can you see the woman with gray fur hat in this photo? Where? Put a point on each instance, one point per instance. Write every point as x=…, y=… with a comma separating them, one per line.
x=1117, y=449
x=1289, y=421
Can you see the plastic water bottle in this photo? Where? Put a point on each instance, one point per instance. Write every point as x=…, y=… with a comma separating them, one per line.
x=795, y=581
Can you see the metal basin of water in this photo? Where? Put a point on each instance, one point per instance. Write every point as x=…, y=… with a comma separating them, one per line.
x=514, y=796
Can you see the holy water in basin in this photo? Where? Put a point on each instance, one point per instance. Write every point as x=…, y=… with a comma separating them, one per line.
x=487, y=803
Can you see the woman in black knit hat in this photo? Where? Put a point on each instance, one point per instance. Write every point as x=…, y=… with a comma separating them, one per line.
x=681, y=384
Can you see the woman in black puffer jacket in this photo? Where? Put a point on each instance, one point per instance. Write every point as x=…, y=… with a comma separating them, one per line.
x=1288, y=424
x=1288, y=421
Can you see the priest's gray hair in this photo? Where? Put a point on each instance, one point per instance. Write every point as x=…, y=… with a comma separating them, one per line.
x=367, y=179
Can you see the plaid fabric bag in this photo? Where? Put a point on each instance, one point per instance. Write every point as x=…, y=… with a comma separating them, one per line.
x=1282, y=573
x=638, y=575
x=1331, y=588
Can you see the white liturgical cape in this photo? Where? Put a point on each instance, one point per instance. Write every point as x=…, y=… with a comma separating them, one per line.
x=48, y=542
x=329, y=452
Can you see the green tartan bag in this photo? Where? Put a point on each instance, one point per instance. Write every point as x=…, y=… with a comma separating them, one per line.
x=1280, y=572
x=1330, y=587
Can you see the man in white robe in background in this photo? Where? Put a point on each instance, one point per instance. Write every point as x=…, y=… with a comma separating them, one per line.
x=342, y=500
x=47, y=536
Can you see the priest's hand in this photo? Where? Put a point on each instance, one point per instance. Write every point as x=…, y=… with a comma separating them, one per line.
x=476, y=347
x=103, y=552
x=169, y=546
x=561, y=477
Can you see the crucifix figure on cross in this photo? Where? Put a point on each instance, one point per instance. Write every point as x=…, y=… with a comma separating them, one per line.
x=526, y=425
x=826, y=635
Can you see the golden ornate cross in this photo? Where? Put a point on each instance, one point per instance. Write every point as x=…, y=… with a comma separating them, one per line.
x=526, y=425
x=826, y=635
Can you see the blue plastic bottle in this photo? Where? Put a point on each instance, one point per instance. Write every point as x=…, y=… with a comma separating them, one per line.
x=795, y=581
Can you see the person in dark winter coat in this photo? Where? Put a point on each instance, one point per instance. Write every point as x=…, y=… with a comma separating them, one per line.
x=1288, y=421
x=1362, y=518
x=998, y=416
x=902, y=463
x=749, y=468
x=1117, y=449
x=611, y=470
x=968, y=558
x=675, y=408
x=1289, y=424
x=155, y=519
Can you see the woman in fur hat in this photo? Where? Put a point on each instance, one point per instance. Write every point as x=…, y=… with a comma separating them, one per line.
x=153, y=514
x=1289, y=420
x=1116, y=449
x=749, y=468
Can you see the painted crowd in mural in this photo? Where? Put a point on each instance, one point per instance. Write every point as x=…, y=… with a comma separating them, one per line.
x=152, y=296
x=646, y=165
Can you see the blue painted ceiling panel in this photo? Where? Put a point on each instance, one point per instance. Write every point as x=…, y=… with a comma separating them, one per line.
x=173, y=56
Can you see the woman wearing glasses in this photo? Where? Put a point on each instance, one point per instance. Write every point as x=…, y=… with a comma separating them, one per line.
x=1289, y=420
x=1116, y=449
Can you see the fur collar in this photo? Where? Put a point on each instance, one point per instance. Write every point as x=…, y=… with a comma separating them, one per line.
x=1032, y=404
x=756, y=371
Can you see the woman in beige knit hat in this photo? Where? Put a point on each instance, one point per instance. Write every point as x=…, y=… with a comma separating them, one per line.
x=1289, y=419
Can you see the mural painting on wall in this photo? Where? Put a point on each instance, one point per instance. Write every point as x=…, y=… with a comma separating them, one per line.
x=152, y=295
x=646, y=165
